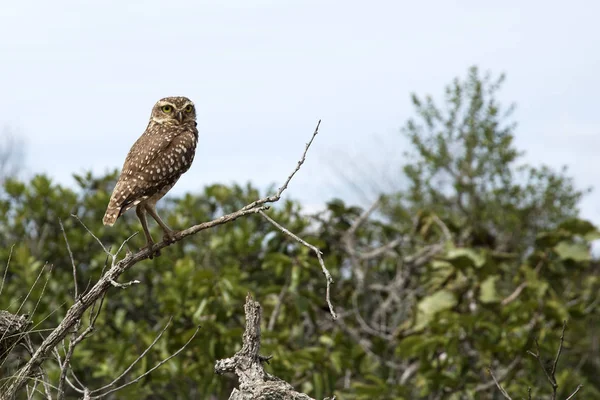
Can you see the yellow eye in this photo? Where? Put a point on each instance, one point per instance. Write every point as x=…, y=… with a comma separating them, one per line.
x=189, y=108
x=167, y=109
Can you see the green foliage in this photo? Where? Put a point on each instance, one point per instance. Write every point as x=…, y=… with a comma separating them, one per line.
x=464, y=270
x=464, y=166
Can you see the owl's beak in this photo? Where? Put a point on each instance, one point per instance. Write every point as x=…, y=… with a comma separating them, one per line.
x=180, y=116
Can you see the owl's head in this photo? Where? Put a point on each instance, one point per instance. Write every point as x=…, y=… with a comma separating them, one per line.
x=177, y=110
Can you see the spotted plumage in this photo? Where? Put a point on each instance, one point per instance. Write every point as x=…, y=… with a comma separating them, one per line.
x=155, y=162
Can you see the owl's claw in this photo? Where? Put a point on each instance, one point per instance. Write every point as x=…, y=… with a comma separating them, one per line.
x=149, y=246
x=169, y=236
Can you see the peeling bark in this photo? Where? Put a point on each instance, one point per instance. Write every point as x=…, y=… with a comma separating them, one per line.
x=247, y=364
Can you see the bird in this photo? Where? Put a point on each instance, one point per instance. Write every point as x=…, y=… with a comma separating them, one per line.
x=155, y=162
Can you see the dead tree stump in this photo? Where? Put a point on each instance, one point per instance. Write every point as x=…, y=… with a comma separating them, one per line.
x=247, y=364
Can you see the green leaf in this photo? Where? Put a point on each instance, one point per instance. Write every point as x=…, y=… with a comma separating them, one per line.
x=326, y=340
x=462, y=258
x=488, y=292
x=199, y=311
x=550, y=239
x=592, y=235
x=431, y=305
x=577, y=226
x=573, y=251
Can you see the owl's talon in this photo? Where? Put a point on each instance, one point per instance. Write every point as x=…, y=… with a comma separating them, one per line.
x=169, y=237
x=153, y=254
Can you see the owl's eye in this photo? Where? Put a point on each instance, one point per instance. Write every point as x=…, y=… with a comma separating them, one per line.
x=167, y=109
x=189, y=108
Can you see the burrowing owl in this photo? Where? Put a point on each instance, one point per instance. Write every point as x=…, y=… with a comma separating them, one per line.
x=155, y=162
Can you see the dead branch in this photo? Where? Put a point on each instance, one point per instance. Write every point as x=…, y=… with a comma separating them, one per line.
x=98, y=393
x=550, y=373
x=499, y=386
x=574, y=393
x=319, y=254
x=254, y=382
x=501, y=376
x=118, y=267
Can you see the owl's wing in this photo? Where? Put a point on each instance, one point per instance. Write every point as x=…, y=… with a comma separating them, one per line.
x=154, y=161
x=135, y=184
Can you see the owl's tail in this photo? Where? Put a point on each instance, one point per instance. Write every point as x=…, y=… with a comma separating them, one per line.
x=111, y=215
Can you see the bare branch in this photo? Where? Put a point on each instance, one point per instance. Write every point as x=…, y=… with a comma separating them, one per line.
x=156, y=339
x=560, y=346
x=551, y=375
x=151, y=369
x=274, y=198
x=363, y=217
x=574, y=393
x=6, y=269
x=123, y=285
x=485, y=386
x=277, y=309
x=92, y=235
x=367, y=255
x=328, y=278
x=511, y=297
x=499, y=386
x=75, y=285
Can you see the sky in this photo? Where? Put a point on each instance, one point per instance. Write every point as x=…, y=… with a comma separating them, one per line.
x=78, y=80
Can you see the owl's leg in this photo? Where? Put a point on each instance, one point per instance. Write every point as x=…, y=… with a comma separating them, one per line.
x=168, y=232
x=140, y=210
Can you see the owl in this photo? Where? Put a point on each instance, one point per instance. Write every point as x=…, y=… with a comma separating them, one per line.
x=155, y=162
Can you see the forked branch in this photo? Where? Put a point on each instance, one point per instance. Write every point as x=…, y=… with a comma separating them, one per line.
x=550, y=373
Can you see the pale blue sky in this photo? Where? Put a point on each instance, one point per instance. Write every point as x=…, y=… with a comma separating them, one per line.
x=78, y=80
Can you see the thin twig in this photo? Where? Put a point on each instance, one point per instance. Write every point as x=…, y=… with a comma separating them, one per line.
x=367, y=255
x=94, y=317
x=37, y=304
x=123, y=285
x=514, y=294
x=92, y=235
x=499, y=385
x=501, y=376
x=277, y=308
x=318, y=252
x=75, y=285
x=551, y=375
x=156, y=339
x=124, y=243
x=560, y=346
x=75, y=387
x=574, y=393
x=538, y=357
x=6, y=269
x=274, y=198
x=363, y=217
x=150, y=370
